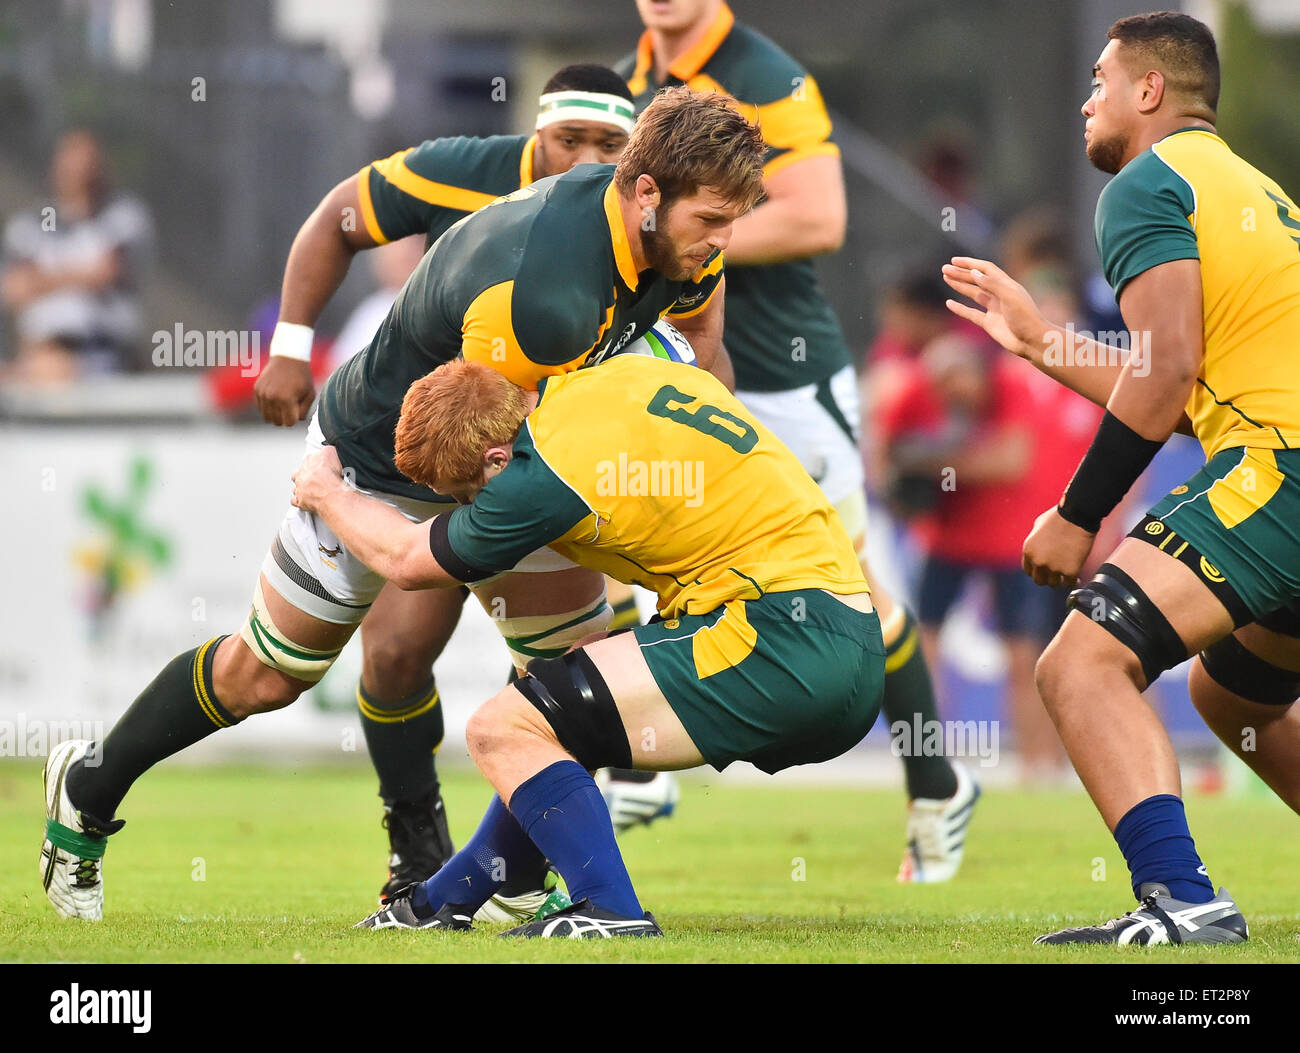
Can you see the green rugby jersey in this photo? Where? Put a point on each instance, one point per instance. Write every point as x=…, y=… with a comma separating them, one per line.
x=780, y=331
x=425, y=189
x=538, y=283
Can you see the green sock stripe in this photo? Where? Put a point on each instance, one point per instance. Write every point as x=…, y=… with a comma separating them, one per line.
x=260, y=630
x=78, y=844
x=538, y=652
x=520, y=643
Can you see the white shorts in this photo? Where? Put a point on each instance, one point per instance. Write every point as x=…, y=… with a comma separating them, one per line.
x=312, y=569
x=801, y=420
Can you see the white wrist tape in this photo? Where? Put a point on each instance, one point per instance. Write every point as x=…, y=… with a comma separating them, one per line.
x=291, y=340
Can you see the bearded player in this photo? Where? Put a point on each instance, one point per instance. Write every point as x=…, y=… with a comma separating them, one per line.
x=559, y=274
x=584, y=116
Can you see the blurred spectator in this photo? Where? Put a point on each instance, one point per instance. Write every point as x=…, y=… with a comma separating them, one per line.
x=72, y=270
x=912, y=314
x=959, y=440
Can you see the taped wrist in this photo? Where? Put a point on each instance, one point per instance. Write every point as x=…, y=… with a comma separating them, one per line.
x=291, y=340
x=1117, y=456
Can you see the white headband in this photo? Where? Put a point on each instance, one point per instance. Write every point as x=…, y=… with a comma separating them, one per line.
x=585, y=106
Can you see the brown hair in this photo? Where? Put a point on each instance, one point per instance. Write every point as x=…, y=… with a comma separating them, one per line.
x=685, y=140
x=451, y=417
x=1180, y=47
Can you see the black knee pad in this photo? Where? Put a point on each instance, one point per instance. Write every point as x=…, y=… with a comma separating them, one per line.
x=1234, y=666
x=571, y=694
x=1113, y=600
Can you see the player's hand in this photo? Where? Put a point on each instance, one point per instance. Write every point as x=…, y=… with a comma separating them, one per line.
x=1010, y=315
x=1055, y=550
x=318, y=476
x=284, y=390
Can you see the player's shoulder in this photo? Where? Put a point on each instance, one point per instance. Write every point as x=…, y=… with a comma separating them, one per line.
x=1149, y=175
x=753, y=68
x=564, y=272
x=466, y=157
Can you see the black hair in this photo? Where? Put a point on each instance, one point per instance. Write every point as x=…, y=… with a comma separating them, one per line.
x=589, y=77
x=1180, y=44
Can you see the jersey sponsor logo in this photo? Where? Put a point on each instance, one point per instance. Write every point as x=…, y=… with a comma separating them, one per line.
x=1179, y=490
x=333, y=553
x=614, y=346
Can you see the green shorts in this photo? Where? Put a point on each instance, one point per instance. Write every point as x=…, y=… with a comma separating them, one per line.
x=791, y=678
x=1236, y=523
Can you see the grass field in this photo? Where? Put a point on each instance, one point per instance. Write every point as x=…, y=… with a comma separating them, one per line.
x=250, y=865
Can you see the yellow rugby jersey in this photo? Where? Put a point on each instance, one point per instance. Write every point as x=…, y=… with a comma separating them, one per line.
x=653, y=473
x=1191, y=197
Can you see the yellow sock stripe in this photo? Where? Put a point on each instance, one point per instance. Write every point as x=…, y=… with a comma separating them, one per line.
x=201, y=692
x=903, y=652
x=395, y=716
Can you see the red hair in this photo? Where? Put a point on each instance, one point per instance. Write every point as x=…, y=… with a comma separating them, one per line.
x=451, y=417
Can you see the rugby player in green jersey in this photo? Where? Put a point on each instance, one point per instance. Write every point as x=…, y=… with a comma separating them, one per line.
x=1203, y=252
x=792, y=366
x=766, y=650
x=584, y=116
x=560, y=274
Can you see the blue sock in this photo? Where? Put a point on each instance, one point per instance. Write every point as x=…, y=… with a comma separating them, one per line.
x=1157, y=845
x=565, y=815
x=498, y=849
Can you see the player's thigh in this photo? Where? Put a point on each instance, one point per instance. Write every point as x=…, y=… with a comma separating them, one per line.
x=789, y=678
x=1216, y=553
x=818, y=422
x=1143, y=612
x=1259, y=664
x=542, y=613
x=656, y=737
x=280, y=652
x=417, y=623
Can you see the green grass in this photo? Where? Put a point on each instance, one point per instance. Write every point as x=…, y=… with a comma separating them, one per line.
x=290, y=859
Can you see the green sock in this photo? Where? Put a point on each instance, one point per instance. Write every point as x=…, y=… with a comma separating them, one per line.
x=178, y=709
x=909, y=697
x=402, y=737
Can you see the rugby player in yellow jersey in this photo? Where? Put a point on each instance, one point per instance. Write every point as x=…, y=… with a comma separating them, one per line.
x=767, y=648
x=792, y=365
x=560, y=274
x=584, y=116
x=1203, y=252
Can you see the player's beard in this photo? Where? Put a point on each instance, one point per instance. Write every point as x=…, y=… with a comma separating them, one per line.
x=1107, y=155
x=661, y=254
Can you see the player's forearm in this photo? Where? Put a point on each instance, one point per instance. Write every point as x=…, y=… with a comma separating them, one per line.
x=781, y=230
x=1084, y=366
x=380, y=536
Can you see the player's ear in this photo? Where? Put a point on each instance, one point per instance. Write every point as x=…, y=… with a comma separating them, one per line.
x=647, y=191
x=1151, y=91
